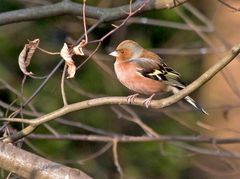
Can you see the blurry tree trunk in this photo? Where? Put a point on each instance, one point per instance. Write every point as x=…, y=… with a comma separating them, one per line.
x=28, y=165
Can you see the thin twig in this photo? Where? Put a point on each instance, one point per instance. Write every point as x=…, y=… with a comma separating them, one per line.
x=164, y=23
x=84, y=22
x=90, y=56
x=65, y=103
x=190, y=51
x=13, y=90
x=22, y=94
x=229, y=6
x=143, y=138
x=89, y=30
x=41, y=86
x=115, y=157
x=96, y=154
x=204, y=151
x=216, y=172
x=134, y=118
x=194, y=27
x=85, y=127
x=131, y=13
x=20, y=120
x=51, y=129
x=48, y=52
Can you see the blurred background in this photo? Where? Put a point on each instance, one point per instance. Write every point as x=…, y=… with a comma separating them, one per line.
x=190, y=38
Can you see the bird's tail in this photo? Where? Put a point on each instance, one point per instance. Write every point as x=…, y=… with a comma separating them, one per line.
x=190, y=100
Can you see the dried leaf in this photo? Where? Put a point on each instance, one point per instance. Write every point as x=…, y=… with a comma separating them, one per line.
x=77, y=50
x=67, y=56
x=26, y=54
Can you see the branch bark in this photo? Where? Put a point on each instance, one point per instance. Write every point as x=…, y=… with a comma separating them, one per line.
x=72, y=8
x=28, y=165
x=144, y=138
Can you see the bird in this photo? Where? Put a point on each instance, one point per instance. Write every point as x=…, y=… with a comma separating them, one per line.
x=144, y=72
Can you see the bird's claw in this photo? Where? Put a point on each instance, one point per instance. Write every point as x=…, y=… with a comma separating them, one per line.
x=147, y=102
x=131, y=98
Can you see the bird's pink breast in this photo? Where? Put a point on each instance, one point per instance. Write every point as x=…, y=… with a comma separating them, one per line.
x=128, y=75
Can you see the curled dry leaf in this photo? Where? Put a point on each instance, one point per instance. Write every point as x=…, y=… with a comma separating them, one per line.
x=77, y=50
x=67, y=56
x=26, y=54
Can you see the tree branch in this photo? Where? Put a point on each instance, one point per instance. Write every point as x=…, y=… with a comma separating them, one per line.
x=28, y=165
x=34, y=123
x=172, y=139
x=144, y=138
x=72, y=8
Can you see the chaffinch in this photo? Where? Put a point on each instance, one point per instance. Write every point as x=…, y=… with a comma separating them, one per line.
x=144, y=72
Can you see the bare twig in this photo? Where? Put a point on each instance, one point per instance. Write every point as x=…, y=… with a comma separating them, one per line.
x=134, y=118
x=89, y=57
x=204, y=151
x=26, y=121
x=143, y=138
x=215, y=172
x=96, y=154
x=41, y=86
x=48, y=52
x=84, y=22
x=194, y=27
x=163, y=23
x=115, y=157
x=85, y=127
x=229, y=5
x=65, y=103
x=22, y=94
x=186, y=51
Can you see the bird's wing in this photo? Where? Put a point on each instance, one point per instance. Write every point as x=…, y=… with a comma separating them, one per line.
x=157, y=70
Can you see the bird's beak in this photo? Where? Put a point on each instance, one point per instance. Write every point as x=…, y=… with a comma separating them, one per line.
x=114, y=54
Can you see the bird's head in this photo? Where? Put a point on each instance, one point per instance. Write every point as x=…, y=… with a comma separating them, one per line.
x=127, y=50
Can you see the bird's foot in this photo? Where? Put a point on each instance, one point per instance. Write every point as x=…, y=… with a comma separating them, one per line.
x=131, y=98
x=147, y=101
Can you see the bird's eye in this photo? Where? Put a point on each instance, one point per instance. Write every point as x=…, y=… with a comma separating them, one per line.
x=121, y=51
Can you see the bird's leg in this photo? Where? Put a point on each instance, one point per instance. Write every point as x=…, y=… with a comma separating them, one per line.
x=131, y=98
x=147, y=101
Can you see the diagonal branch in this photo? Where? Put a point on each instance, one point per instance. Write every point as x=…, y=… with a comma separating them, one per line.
x=210, y=73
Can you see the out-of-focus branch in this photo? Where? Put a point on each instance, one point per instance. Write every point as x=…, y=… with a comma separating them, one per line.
x=188, y=51
x=229, y=5
x=144, y=138
x=115, y=157
x=34, y=123
x=167, y=138
x=164, y=23
x=28, y=165
x=72, y=8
